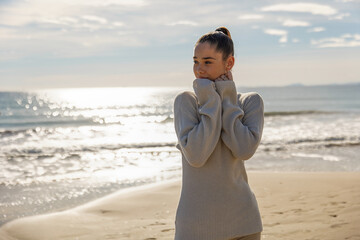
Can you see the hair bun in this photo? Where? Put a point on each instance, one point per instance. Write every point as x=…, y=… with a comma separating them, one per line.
x=224, y=30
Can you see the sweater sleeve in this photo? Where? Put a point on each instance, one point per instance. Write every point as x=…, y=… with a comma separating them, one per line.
x=241, y=127
x=197, y=120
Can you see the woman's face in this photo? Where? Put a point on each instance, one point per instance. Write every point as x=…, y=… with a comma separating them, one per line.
x=208, y=63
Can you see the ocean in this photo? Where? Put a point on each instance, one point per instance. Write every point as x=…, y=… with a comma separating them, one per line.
x=63, y=147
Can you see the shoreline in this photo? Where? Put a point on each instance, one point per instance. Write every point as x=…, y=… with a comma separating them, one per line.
x=293, y=205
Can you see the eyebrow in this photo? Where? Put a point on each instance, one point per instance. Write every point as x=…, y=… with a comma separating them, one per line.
x=205, y=58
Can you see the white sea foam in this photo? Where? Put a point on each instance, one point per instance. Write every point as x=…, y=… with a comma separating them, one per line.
x=318, y=156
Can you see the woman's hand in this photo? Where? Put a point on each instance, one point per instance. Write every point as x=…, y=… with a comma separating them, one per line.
x=225, y=77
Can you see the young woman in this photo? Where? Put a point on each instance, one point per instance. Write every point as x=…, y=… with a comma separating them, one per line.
x=217, y=131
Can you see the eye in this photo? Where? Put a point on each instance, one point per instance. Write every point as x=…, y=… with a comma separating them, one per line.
x=196, y=62
x=208, y=62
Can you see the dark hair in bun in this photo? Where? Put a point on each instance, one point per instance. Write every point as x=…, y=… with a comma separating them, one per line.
x=221, y=39
x=224, y=30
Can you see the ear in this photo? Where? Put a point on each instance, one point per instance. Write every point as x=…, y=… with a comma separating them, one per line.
x=230, y=61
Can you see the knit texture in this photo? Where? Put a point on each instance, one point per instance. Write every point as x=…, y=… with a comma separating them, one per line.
x=217, y=129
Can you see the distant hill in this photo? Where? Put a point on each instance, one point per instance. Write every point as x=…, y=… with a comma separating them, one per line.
x=355, y=84
x=331, y=84
x=295, y=85
x=340, y=84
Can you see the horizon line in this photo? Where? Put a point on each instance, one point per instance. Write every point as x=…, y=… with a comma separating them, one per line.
x=174, y=87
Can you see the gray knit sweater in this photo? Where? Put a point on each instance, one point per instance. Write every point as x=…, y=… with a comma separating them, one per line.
x=217, y=130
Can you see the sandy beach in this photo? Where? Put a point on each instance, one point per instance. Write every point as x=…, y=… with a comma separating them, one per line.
x=294, y=205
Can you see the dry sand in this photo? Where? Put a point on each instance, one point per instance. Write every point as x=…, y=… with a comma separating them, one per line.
x=293, y=206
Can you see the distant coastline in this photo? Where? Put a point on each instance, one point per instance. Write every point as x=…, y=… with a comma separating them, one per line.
x=330, y=84
x=307, y=85
x=180, y=87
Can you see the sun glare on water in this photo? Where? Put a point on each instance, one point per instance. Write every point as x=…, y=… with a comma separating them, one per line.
x=101, y=97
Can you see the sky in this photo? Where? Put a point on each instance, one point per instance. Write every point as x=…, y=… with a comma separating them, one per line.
x=115, y=43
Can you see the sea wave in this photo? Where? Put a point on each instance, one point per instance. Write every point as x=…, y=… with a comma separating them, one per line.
x=7, y=133
x=74, y=150
x=311, y=143
x=271, y=114
x=168, y=119
x=326, y=140
x=22, y=125
x=289, y=113
x=140, y=145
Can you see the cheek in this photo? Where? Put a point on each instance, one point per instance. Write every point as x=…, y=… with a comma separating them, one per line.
x=217, y=70
x=194, y=71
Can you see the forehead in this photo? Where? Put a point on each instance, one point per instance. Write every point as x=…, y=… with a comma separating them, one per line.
x=206, y=50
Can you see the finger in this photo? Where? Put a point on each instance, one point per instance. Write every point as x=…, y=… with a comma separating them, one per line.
x=220, y=78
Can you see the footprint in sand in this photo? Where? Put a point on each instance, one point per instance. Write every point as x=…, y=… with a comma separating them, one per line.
x=272, y=224
x=338, y=225
x=157, y=223
x=297, y=210
x=278, y=212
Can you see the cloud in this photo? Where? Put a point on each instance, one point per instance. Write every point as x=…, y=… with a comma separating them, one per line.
x=340, y=16
x=8, y=33
x=86, y=22
x=182, y=22
x=313, y=8
x=346, y=40
x=317, y=29
x=22, y=13
x=251, y=17
x=346, y=1
x=105, y=3
x=60, y=20
x=95, y=19
x=118, y=24
x=275, y=32
x=278, y=32
x=355, y=36
x=85, y=28
x=295, y=23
